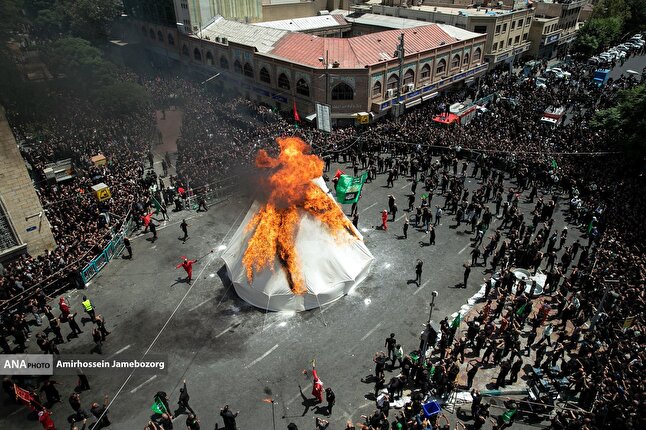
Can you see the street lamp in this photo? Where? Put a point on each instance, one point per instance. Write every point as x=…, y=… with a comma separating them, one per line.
x=325, y=61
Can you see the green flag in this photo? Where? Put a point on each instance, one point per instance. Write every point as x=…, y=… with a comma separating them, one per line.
x=348, y=189
x=456, y=321
x=554, y=165
x=157, y=206
x=508, y=415
x=521, y=310
x=424, y=196
x=158, y=406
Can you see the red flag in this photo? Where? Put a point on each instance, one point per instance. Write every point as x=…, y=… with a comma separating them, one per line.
x=296, y=117
x=338, y=174
x=23, y=394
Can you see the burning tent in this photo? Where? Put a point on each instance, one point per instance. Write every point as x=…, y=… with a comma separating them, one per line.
x=297, y=250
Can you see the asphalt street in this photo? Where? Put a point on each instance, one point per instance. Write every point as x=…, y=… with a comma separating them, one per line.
x=232, y=353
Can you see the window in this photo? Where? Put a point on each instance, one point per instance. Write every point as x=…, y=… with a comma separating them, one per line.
x=525, y=36
x=502, y=44
x=264, y=76
x=504, y=27
x=224, y=63
x=237, y=67
x=497, y=29
x=376, y=89
x=509, y=42
x=152, y=34
x=455, y=62
x=185, y=50
x=517, y=39
x=342, y=91
x=283, y=82
x=495, y=47
x=441, y=67
x=409, y=77
x=426, y=71
x=209, y=58
x=477, y=54
x=197, y=55
x=171, y=40
x=513, y=25
x=8, y=238
x=529, y=20
x=393, y=82
x=160, y=36
x=482, y=29
x=465, y=60
x=302, y=88
x=248, y=70
x=520, y=22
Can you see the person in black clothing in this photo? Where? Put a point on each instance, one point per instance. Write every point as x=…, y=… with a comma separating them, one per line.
x=83, y=383
x=51, y=393
x=166, y=422
x=163, y=397
x=192, y=422
x=229, y=418
x=467, y=272
x=330, y=398
x=183, y=402
x=418, y=272
x=153, y=230
x=96, y=336
x=126, y=243
x=431, y=239
x=390, y=343
x=184, y=227
x=515, y=369
x=99, y=411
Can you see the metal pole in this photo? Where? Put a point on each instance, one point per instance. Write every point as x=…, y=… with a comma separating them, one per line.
x=327, y=80
x=273, y=413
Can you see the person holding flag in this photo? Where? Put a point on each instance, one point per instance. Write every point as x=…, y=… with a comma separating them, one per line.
x=44, y=418
x=160, y=404
x=317, y=384
x=187, y=265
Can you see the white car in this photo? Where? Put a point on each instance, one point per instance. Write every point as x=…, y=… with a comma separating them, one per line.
x=558, y=73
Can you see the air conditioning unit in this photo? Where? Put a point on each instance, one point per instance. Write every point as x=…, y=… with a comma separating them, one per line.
x=410, y=87
x=390, y=93
x=217, y=39
x=224, y=40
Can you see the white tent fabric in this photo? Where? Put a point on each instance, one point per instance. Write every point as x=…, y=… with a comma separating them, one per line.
x=331, y=267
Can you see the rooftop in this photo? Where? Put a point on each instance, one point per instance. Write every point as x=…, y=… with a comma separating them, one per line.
x=363, y=51
x=306, y=24
x=384, y=21
x=261, y=38
x=479, y=11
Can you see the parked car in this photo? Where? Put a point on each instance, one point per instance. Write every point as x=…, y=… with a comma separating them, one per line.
x=557, y=73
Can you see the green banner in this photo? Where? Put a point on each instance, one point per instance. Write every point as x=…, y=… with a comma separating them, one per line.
x=348, y=189
x=158, y=406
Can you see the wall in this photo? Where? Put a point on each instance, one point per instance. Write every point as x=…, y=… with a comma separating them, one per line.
x=20, y=199
x=275, y=12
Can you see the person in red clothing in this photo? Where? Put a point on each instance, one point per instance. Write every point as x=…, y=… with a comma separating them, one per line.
x=146, y=219
x=384, y=220
x=64, y=307
x=45, y=419
x=317, y=385
x=188, y=266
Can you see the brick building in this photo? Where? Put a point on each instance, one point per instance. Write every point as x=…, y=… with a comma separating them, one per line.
x=23, y=224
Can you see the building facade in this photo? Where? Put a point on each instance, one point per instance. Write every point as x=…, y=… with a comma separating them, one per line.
x=507, y=31
x=544, y=36
x=567, y=12
x=23, y=223
x=351, y=75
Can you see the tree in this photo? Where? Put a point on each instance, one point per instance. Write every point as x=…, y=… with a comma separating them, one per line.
x=625, y=121
x=122, y=98
x=12, y=18
x=91, y=19
x=74, y=57
x=597, y=34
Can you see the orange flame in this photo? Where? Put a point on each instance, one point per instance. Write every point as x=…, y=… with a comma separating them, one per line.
x=276, y=223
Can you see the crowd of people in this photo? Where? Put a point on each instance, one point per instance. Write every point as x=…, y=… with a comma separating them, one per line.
x=555, y=166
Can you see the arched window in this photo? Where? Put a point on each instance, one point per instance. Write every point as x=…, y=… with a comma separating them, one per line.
x=426, y=72
x=342, y=91
x=209, y=58
x=171, y=40
x=143, y=30
x=393, y=82
x=160, y=36
x=302, y=88
x=441, y=67
x=283, y=82
x=185, y=50
x=477, y=54
x=248, y=70
x=455, y=62
x=264, y=76
x=152, y=34
x=197, y=55
x=224, y=63
x=376, y=89
x=237, y=67
x=409, y=77
x=465, y=60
